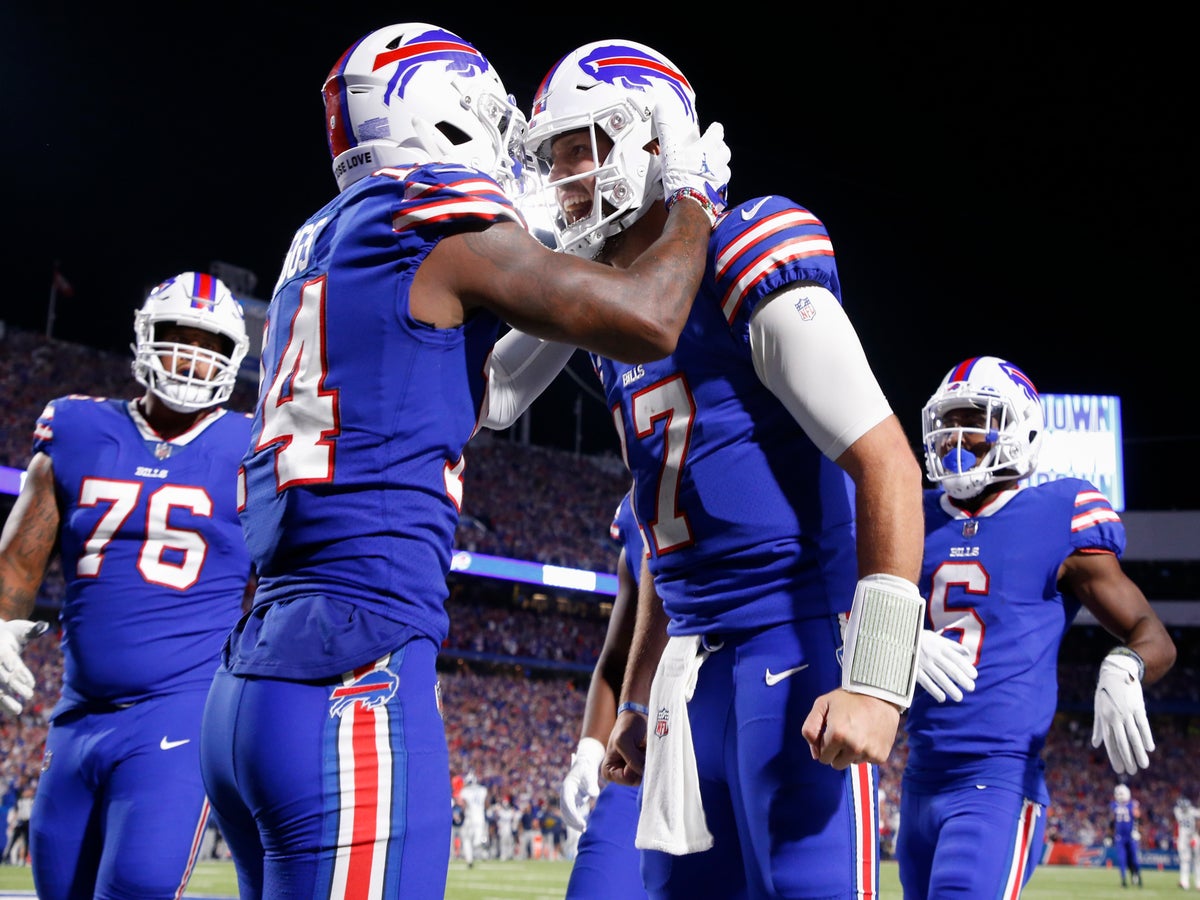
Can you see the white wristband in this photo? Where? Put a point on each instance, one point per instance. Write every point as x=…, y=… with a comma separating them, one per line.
x=883, y=639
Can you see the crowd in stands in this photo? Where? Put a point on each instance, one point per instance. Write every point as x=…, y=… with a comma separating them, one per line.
x=515, y=666
x=566, y=523
x=515, y=725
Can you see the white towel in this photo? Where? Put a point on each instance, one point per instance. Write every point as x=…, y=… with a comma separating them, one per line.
x=672, y=813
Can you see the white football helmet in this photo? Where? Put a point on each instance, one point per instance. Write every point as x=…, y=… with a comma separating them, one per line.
x=413, y=93
x=611, y=85
x=1012, y=425
x=195, y=300
x=1121, y=793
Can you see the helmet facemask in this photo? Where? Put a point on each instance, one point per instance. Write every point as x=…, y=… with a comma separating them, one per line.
x=610, y=86
x=187, y=378
x=627, y=180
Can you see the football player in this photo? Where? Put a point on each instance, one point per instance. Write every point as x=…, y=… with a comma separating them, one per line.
x=1126, y=837
x=1006, y=568
x=1187, y=843
x=774, y=485
x=140, y=497
x=607, y=863
x=377, y=358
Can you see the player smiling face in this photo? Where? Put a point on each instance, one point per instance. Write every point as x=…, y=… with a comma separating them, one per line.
x=572, y=156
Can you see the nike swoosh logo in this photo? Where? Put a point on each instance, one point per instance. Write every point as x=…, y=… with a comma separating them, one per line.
x=751, y=212
x=773, y=678
x=164, y=744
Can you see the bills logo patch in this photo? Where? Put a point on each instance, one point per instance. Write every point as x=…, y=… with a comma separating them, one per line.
x=662, y=723
x=370, y=690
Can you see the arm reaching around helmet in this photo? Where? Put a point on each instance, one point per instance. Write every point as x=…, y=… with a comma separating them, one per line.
x=633, y=315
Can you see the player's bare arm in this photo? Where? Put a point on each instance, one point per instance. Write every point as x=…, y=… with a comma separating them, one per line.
x=844, y=728
x=632, y=315
x=887, y=482
x=626, y=758
x=600, y=711
x=28, y=540
x=1099, y=583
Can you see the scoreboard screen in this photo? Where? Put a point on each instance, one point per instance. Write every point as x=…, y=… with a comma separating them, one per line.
x=1083, y=440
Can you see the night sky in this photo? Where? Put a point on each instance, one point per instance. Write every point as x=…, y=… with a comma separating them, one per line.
x=994, y=183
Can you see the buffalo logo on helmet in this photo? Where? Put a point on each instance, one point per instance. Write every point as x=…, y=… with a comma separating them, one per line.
x=1020, y=379
x=372, y=689
x=628, y=66
x=432, y=46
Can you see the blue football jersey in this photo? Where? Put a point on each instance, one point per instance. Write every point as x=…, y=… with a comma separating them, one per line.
x=152, y=549
x=354, y=475
x=624, y=530
x=991, y=582
x=1125, y=817
x=747, y=523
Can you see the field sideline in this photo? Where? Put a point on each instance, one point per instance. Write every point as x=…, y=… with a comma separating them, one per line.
x=537, y=880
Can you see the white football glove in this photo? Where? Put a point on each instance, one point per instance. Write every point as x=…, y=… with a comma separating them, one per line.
x=1120, y=720
x=944, y=666
x=16, y=681
x=582, y=783
x=692, y=166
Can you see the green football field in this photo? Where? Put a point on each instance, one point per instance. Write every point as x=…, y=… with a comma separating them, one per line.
x=537, y=880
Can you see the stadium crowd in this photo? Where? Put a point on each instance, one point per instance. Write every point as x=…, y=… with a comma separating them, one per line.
x=515, y=666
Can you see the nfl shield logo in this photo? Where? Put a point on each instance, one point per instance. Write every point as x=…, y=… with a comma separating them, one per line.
x=162, y=451
x=970, y=528
x=662, y=722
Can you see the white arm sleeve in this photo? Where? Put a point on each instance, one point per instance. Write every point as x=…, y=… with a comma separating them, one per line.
x=802, y=342
x=520, y=368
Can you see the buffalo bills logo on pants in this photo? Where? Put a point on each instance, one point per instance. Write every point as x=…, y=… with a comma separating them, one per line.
x=373, y=688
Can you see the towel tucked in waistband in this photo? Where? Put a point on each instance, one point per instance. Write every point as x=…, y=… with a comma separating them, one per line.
x=672, y=813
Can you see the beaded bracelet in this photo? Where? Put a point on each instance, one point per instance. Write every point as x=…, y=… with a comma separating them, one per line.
x=630, y=706
x=1132, y=654
x=698, y=196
